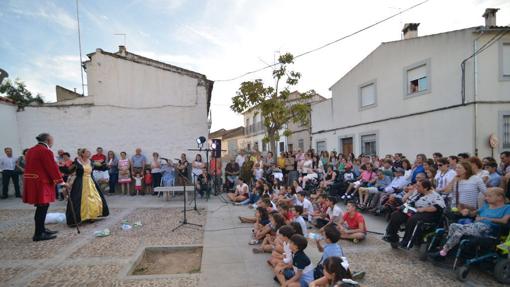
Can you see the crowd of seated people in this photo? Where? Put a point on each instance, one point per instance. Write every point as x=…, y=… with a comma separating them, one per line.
x=295, y=200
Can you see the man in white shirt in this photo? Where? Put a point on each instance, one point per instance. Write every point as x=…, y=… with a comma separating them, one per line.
x=8, y=168
x=398, y=183
x=307, y=205
x=240, y=158
x=333, y=213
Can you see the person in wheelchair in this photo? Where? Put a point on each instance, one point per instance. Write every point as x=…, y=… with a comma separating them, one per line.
x=494, y=213
x=423, y=205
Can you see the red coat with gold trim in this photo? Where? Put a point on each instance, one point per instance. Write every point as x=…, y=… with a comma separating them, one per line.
x=41, y=175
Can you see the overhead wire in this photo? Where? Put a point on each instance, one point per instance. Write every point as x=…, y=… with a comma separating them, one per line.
x=327, y=44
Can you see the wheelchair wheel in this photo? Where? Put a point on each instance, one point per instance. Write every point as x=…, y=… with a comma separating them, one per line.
x=462, y=273
x=423, y=252
x=502, y=271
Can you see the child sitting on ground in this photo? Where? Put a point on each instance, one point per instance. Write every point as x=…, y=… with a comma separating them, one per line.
x=336, y=274
x=269, y=233
x=352, y=224
x=282, y=255
x=298, y=210
x=302, y=272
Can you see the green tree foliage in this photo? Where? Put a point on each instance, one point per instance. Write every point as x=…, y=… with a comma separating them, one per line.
x=19, y=93
x=272, y=102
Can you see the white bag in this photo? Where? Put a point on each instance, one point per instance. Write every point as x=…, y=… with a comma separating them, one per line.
x=55, y=217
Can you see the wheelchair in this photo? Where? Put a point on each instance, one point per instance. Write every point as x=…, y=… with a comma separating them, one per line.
x=489, y=253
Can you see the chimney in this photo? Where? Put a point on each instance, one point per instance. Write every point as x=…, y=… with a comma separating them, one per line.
x=410, y=30
x=490, y=17
x=122, y=50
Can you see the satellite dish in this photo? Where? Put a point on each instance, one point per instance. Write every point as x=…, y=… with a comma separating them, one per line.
x=3, y=75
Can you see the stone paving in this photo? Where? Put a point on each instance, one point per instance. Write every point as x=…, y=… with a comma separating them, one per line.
x=84, y=260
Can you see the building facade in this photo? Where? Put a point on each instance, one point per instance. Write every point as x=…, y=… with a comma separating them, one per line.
x=410, y=96
x=133, y=102
x=230, y=141
x=300, y=139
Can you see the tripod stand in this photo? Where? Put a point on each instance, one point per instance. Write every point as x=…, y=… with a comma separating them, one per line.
x=185, y=220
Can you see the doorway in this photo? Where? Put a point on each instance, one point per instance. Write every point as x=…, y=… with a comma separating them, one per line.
x=346, y=144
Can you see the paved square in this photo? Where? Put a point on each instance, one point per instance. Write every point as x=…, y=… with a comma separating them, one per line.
x=84, y=260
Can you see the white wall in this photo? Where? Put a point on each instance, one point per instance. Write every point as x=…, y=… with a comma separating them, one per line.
x=9, y=129
x=120, y=82
x=169, y=131
x=448, y=132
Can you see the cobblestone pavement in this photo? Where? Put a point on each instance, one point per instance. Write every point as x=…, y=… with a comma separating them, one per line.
x=85, y=260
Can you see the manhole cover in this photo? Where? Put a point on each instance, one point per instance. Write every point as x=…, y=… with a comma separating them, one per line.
x=168, y=260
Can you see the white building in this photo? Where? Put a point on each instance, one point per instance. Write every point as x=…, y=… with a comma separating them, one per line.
x=255, y=130
x=133, y=102
x=406, y=96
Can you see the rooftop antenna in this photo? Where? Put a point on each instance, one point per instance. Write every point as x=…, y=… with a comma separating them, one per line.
x=123, y=35
x=79, y=46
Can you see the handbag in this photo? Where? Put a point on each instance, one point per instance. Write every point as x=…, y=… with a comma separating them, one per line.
x=318, y=271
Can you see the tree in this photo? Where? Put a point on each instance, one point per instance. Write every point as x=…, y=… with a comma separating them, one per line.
x=272, y=102
x=19, y=93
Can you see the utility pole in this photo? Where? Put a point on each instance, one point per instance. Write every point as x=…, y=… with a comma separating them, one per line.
x=79, y=46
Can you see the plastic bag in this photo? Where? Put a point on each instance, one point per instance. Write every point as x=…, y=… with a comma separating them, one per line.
x=126, y=226
x=55, y=217
x=102, y=233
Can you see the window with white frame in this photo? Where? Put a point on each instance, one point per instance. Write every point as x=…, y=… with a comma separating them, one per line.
x=301, y=144
x=369, y=144
x=368, y=95
x=321, y=146
x=417, y=79
x=505, y=54
x=505, y=140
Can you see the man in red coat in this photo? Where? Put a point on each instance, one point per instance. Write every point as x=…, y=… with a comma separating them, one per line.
x=41, y=176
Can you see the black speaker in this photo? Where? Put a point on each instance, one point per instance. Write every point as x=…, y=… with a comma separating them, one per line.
x=216, y=148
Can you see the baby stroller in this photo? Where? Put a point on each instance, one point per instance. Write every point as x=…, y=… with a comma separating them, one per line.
x=490, y=253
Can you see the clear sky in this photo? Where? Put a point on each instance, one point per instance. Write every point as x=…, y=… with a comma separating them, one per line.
x=218, y=38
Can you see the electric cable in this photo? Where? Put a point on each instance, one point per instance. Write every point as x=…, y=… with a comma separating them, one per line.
x=327, y=44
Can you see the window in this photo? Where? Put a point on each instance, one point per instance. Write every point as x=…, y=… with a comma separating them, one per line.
x=369, y=144
x=368, y=95
x=417, y=79
x=301, y=144
x=506, y=131
x=505, y=63
x=321, y=146
x=232, y=146
x=247, y=129
x=282, y=146
x=264, y=146
x=290, y=148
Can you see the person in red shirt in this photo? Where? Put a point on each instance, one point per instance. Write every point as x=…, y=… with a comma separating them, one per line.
x=352, y=225
x=99, y=158
x=147, y=179
x=39, y=180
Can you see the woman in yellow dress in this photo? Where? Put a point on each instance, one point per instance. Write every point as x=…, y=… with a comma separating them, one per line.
x=85, y=196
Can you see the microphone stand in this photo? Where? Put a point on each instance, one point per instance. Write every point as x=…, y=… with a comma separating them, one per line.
x=185, y=220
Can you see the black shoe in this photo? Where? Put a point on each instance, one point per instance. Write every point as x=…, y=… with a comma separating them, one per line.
x=46, y=230
x=3, y=197
x=18, y=196
x=394, y=244
x=44, y=236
